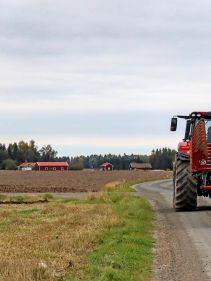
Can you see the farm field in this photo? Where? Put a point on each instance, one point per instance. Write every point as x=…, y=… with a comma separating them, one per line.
x=77, y=240
x=43, y=242
x=71, y=239
x=71, y=181
x=63, y=239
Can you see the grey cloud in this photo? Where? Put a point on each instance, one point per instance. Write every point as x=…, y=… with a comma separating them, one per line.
x=128, y=123
x=122, y=51
x=46, y=28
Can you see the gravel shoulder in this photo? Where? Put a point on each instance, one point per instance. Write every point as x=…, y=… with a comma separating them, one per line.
x=183, y=239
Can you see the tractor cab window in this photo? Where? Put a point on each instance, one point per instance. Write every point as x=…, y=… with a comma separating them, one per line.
x=208, y=130
x=189, y=129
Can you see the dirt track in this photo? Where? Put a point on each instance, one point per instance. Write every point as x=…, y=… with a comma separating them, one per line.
x=81, y=181
x=183, y=239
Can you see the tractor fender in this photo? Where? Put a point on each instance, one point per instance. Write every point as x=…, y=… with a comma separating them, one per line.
x=183, y=153
x=183, y=156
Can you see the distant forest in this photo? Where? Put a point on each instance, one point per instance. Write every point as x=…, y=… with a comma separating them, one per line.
x=159, y=158
x=16, y=153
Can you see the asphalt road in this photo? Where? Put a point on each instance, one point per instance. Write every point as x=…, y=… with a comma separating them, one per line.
x=183, y=239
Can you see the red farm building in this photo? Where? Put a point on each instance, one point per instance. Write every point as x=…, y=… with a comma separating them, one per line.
x=52, y=166
x=140, y=166
x=27, y=166
x=107, y=167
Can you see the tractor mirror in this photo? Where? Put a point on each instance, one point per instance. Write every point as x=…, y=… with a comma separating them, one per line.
x=173, y=124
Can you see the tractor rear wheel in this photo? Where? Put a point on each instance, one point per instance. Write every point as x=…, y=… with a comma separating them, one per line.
x=185, y=187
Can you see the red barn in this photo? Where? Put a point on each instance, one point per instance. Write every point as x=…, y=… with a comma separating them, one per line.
x=107, y=166
x=140, y=166
x=52, y=166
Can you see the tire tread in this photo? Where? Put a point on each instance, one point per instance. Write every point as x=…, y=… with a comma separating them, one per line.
x=185, y=191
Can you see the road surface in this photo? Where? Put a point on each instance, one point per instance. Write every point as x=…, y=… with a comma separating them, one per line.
x=183, y=239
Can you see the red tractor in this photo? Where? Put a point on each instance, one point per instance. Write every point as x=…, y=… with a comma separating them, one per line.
x=192, y=167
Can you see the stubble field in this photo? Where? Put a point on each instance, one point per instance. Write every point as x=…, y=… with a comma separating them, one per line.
x=77, y=181
x=72, y=240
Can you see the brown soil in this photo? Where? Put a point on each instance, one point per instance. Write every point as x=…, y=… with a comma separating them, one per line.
x=80, y=181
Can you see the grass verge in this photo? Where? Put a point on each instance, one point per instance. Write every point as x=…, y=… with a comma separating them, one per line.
x=124, y=249
x=121, y=186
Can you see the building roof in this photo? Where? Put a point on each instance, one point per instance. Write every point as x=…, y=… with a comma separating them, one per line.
x=106, y=164
x=52, y=164
x=134, y=165
x=27, y=164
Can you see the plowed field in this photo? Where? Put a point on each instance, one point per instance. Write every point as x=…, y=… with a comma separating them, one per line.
x=80, y=181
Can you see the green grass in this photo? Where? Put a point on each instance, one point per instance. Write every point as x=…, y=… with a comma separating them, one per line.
x=124, y=249
x=122, y=186
x=26, y=199
x=28, y=212
x=48, y=197
x=19, y=199
x=69, y=200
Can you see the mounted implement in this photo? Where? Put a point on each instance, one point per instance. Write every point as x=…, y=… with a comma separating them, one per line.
x=192, y=167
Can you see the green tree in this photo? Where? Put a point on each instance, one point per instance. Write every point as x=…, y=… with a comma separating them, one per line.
x=77, y=164
x=162, y=158
x=3, y=154
x=48, y=153
x=33, y=153
x=9, y=164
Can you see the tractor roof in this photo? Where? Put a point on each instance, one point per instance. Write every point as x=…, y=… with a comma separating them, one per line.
x=201, y=114
x=197, y=114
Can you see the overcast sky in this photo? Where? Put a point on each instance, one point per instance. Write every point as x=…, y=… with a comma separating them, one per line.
x=93, y=76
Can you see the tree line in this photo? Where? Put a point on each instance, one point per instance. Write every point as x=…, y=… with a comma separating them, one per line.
x=159, y=159
x=14, y=154
x=162, y=158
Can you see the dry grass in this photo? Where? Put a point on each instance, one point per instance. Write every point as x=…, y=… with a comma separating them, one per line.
x=46, y=240
x=111, y=186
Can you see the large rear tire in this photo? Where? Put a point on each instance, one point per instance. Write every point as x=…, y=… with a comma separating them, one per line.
x=185, y=187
